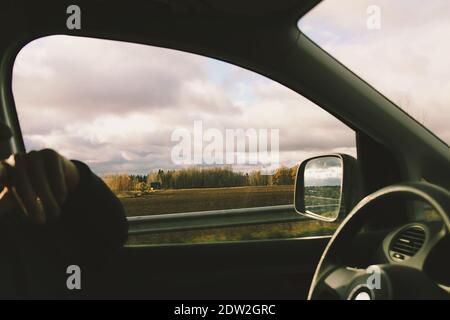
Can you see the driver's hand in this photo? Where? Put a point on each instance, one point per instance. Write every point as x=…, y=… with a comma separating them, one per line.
x=36, y=183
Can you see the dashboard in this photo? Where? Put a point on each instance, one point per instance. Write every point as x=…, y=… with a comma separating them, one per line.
x=419, y=240
x=403, y=233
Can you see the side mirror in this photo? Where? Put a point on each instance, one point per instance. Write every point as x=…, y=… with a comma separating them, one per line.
x=327, y=187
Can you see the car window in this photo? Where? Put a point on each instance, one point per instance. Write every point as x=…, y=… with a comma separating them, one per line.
x=400, y=47
x=173, y=132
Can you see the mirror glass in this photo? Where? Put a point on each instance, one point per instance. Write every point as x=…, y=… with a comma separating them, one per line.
x=323, y=186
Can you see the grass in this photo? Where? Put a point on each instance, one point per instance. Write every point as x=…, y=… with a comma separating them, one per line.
x=243, y=233
x=188, y=200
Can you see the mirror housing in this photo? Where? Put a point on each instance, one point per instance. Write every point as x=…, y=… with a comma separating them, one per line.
x=332, y=187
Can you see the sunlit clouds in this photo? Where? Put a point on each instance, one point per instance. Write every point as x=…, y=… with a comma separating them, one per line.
x=406, y=59
x=115, y=105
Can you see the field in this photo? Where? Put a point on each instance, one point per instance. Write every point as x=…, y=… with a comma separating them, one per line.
x=189, y=200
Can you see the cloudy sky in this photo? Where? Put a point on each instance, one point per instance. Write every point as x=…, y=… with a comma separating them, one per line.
x=407, y=59
x=326, y=171
x=115, y=105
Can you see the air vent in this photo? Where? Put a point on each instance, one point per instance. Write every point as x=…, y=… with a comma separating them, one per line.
x=406, y=244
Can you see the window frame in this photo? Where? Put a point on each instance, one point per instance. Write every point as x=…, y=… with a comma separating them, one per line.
x=203, y=220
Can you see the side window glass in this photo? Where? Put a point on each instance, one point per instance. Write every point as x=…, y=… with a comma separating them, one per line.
x=173, y=132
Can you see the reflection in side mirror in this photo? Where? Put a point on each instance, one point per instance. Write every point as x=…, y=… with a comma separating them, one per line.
x=323, y=187
x=327, y=187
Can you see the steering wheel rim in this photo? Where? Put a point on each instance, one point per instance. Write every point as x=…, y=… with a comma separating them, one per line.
x=328, y=266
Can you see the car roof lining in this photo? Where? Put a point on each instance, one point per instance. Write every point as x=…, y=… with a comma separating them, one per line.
x=248, y=8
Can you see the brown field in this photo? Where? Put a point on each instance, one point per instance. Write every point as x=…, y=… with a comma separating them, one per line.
x=188, y=200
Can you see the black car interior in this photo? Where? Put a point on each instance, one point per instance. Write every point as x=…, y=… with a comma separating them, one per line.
x=403, y=159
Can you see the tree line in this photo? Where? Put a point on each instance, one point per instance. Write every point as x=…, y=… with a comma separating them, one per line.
x=196, y=177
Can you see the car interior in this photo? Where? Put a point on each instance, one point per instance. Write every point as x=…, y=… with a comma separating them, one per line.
x=394, y=203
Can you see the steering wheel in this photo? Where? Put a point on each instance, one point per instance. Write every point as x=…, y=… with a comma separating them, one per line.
x=392, y=279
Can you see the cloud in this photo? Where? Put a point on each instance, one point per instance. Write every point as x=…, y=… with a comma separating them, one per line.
x=406, y=60
x=115, y=105
x=83, y=73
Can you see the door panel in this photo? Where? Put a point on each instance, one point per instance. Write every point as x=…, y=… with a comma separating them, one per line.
x=277, y=269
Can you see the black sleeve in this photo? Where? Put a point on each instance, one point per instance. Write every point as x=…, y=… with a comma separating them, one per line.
x=93, y=225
